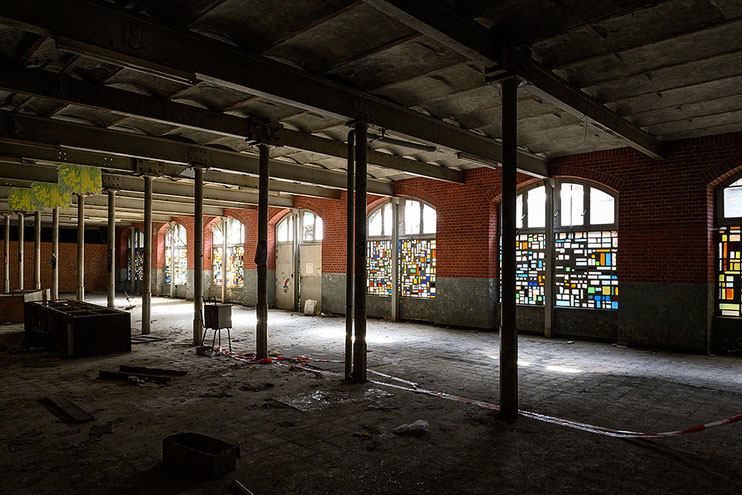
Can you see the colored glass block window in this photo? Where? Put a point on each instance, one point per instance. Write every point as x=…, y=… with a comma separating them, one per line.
x=379, y=263
x=217, y=265
x=312, y=227
x=417, y=268
x=729, y=270
x=585, y=270
x=530, y=272
x=236, y=273
x=135, y=255
x=229, y=267
x=176, y=250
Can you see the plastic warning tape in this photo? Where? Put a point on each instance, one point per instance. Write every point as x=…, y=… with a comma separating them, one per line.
x=413, y=387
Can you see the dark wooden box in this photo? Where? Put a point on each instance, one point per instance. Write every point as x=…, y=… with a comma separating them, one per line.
x=78, y=328
x=12, y=303
x=218, y=316
x=199, y=455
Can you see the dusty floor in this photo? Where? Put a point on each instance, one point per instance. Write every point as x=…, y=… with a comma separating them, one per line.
x=284, y=450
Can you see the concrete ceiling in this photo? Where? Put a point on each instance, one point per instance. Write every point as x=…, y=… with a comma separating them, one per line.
x=671, y=67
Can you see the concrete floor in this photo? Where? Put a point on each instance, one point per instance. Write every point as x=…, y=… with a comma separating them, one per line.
x=467, y=450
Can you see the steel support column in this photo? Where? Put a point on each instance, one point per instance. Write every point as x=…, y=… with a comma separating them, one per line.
x=80, y=247
x=6, y=253
x=55, y=254
x=395, y=259
x=224, y=259
x=111, y=237
x=171, y=236
x=359, y=349
x=37, y=251
x=508, y=329
x=549, y=279
x=21, y=249
x=147, y=275
x=349, y=259
x=261, y=255
x=198, y=257
x=132, y=257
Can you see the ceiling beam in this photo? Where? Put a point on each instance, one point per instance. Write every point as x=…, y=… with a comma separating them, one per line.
x=178, y=191
x=461, y=33
x=15, y=152
x=52, y=132
x=66, y=90
x=141, y=43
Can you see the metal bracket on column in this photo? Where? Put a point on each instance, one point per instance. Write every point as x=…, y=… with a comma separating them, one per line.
x=111, y=182
x=149, y=167
x=263, y=132
x=199, y=156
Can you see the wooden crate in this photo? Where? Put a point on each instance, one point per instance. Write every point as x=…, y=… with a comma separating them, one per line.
x=78, y=328
x=11, y=303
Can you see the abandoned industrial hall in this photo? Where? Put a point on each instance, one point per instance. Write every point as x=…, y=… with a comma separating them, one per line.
x=370, y=246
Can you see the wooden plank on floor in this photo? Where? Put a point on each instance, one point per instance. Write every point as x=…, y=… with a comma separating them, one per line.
x=66, y=410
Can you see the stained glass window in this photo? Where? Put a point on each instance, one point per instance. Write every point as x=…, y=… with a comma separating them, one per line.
x=139, y=264
x=530, y=274
x=729, y=270
x=217, y=263
x=417, y=268
x=585, y=270
x=379, y=262
x=235, y=232
x=137, y=244
x=176, y=251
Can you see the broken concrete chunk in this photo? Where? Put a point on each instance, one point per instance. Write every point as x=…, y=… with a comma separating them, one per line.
x=416, y=429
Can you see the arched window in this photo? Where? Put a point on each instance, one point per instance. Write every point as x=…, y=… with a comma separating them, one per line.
x=379, y=257
x=137, y=244
x=415, y=254
x=729, y=249
x=585, y=246
x=234, y=231
x=417, y=250
x=285, y=229
x=311, y=227
x=176, y=255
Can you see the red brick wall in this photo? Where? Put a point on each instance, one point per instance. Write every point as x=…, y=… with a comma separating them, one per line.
x=666, y=207
x=96, y=266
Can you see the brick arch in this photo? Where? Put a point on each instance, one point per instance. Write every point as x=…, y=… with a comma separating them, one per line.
x=418, y=189
x=602, y=178
x=723, y=170
x=373, y=204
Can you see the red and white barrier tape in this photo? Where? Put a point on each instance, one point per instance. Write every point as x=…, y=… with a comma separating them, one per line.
x=610, y=432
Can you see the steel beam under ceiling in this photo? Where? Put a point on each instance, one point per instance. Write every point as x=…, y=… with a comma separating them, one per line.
x=133, y=41
x=52, y=132
x=66, y=90
x=15, y=152
x=462, y=34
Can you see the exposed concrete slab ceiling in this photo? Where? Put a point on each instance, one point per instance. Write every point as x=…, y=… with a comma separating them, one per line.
x=670, y=67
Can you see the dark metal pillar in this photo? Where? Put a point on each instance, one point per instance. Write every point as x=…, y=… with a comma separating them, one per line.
x=198, y=257
x=147, y=276
x=55, y=254
x=6, y=253
x=132, y=257
x=549, y=261
x=224, y=259
x=395, y=260
x=111, y=285
x=21, y=249
x=349, y=260
x=359, y=349
x=261, y=255
x=37, y=251
x=80, y=247
x=508, y=329
x=171, y=235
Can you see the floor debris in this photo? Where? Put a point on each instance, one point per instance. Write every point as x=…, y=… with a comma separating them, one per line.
x=125, y=377
x=66, y=410
x=416, y=429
